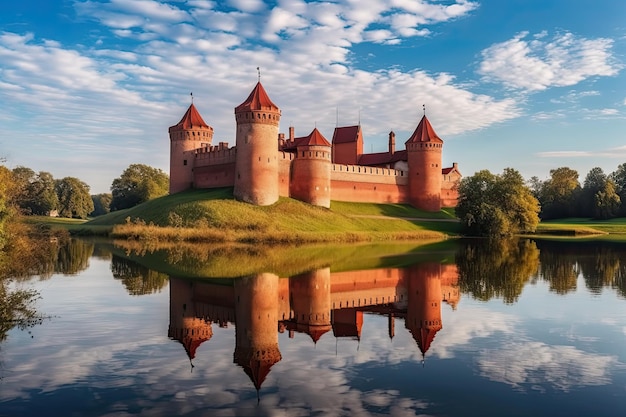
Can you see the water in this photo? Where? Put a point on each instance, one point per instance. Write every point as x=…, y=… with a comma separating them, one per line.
x=516, y=329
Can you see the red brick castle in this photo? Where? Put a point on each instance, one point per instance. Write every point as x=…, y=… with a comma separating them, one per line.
x=265, y=165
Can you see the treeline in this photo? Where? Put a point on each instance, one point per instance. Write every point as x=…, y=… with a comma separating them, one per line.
x=600, y=196
x=505, y=204
x=41, y=194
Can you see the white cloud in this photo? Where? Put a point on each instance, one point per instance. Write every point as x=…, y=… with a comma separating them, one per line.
x=304, y=51
x=540, y=63
x=560, y=367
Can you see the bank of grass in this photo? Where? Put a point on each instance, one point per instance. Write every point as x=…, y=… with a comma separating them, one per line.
x=214, y=216
x=585, y=228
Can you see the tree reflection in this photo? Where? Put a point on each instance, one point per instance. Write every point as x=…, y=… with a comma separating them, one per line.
x=137, y=279
x=16, y=309
x=560, y=270
x=601, y=264
x=73, y=256
x=496, y=268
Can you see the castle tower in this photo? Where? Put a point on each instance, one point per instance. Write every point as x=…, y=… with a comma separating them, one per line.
x=310, y=295
x=311, y=170
x=347, y=145
x=185, y=326
x=424, y=159
x=256, y=331
x=187, y=135
x=256, y=179
x=423, y=318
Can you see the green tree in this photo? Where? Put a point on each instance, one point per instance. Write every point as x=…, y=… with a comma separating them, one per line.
x=138, y=184
x=594, y=183
x=619, y=178
x=7, y=190
x=74, y=198
x=101, y=204
x=42, y=196
x=22, y=178
x=497, y=205
x=558, y=195
x=607, y=202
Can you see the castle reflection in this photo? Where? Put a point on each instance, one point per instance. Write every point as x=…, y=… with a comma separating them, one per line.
x=313, y=303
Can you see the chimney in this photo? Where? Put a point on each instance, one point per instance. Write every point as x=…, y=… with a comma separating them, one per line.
x=392, y=142
x=291, y=133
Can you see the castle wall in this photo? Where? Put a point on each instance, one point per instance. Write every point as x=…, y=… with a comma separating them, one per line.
x=284, y=173
x=368, y=184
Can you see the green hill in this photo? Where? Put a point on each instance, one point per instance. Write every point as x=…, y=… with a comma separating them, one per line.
x=213, y=215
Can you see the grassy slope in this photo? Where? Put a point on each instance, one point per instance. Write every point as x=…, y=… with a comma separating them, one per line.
x=215, y=216
x=584, y=228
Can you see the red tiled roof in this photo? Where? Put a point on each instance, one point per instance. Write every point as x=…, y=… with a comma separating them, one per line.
x=382, y=158
x=424, y=338
x=315, y=139
x=257, y=100
x=399, y=156
x=371, y=159
x=424, y=133
x=191, y=119
x=346, y=134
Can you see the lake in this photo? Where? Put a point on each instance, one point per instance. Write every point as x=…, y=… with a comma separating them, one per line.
x=454, y=328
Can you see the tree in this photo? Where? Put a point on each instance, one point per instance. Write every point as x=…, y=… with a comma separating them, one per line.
x=558, y=194
x=74, y=198
x=607, y=202
x=42, y=196
x=101, y=204
x=497, y=205
x=594, y=183
x=619, y=178
x=138, y=184
x=22, y=177
x=7, y=190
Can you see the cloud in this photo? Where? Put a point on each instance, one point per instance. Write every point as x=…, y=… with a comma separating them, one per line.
x=134, y=80
x=522, y=365
x=539, y=63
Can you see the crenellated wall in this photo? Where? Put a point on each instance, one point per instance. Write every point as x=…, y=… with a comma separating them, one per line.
x=368, y=184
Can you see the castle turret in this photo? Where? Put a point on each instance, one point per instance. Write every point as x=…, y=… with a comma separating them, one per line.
x=185, y=326
x=311, y=170
x=424, y=159
x=256, y=331
x=310, y=295
x=256, y=179
x=423, y=318
x=187, y=135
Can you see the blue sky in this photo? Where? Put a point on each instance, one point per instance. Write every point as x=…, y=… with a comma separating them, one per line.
x=90, y=87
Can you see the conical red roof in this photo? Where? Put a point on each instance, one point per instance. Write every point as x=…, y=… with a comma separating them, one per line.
x=190, y=120
x=315, y=139
x=257, y=100
x=424, y=338
x=424, y=133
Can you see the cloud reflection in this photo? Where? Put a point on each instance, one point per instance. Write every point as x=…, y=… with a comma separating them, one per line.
x=523, y=364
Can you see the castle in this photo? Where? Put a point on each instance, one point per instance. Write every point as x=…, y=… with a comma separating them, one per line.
x=265, y=165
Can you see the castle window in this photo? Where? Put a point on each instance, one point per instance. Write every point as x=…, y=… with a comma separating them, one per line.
x=184, y=162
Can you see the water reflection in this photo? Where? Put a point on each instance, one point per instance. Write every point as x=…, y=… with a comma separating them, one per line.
x=314, y=303
x=499, y=269
x=601, y=264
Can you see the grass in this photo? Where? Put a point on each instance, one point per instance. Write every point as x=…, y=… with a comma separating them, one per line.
x=214, y=216
x=585, y=228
